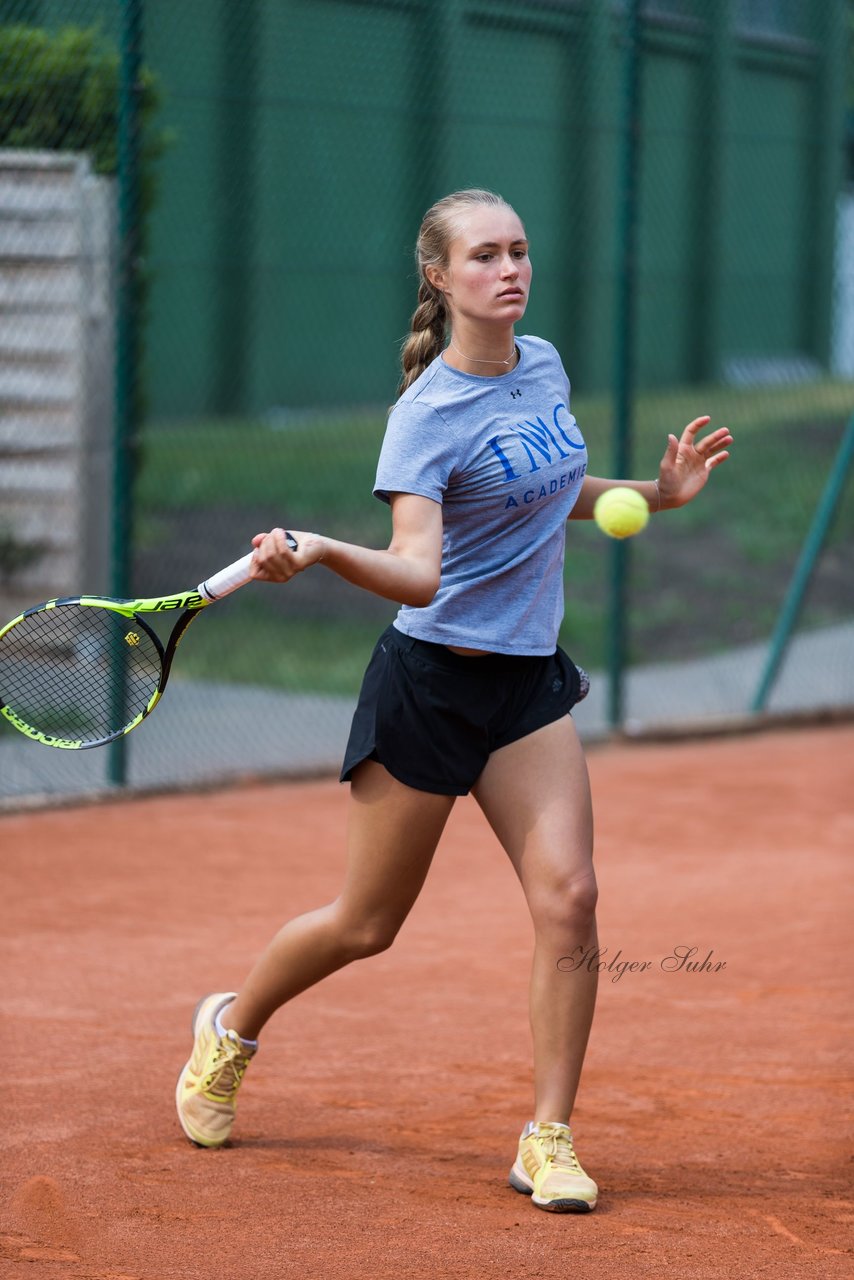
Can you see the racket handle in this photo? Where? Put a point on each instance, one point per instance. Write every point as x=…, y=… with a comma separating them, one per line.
x=234, y=575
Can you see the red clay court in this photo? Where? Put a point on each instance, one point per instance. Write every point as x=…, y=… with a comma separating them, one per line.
x=377, y=1126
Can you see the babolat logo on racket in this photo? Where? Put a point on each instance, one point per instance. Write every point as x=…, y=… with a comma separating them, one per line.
x=188, y=600
x=171, y=603
x=47, y=739
x=191, y=600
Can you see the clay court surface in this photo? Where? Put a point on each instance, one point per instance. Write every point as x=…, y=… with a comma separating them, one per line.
x=378, y=1123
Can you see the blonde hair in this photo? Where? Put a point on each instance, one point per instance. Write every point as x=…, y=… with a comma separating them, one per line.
x=429, y=322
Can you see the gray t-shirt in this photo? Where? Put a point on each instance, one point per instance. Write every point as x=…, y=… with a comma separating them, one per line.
x=505, y=458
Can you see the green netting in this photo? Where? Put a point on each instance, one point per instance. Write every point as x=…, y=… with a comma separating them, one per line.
x=288, y=151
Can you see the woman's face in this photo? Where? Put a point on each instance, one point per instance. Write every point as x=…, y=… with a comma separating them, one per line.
x=489, y=272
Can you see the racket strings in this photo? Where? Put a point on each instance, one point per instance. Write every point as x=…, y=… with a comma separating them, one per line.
x=77, y=671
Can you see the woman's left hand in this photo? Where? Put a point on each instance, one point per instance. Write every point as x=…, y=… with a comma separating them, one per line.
x=688, y=462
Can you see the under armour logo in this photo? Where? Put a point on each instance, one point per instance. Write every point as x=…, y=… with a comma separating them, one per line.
x=515, y=393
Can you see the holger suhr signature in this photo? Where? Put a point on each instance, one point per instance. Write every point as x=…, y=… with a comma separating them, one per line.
x=681, y=959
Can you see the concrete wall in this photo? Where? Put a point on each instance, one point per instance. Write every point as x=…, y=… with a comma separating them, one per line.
x=56, y=373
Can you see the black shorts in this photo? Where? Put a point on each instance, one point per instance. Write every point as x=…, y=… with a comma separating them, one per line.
x=432, y=717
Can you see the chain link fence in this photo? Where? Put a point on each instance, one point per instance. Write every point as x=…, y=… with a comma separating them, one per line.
x=207, y=216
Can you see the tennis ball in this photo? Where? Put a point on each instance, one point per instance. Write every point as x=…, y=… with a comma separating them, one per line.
x=620, y=512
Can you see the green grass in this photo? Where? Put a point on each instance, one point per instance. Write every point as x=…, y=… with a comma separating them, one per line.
x=324, y=467
x=707, y=576
x=325, y=463
x=249, y=646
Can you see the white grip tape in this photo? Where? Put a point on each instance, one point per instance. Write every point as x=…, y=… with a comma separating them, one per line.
x=228, y=579
x=235, y=575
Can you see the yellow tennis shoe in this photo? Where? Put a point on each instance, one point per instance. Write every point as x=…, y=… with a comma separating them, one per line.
x=207, y=1087
x=548, y=1171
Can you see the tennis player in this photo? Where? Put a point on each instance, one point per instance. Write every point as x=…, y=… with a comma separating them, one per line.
x=482, y=465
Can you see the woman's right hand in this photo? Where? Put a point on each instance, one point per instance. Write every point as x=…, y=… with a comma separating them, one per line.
x=274, y=561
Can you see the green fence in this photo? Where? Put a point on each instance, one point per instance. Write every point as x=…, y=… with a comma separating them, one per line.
x=216, y=352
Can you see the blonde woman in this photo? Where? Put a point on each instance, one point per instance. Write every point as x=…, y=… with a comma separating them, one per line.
x=482, y=465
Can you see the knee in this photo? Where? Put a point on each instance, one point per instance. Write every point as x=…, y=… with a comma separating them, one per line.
x=568, y=906
x=362, y=938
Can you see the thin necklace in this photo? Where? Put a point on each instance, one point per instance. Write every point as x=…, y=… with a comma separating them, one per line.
x=472, y=360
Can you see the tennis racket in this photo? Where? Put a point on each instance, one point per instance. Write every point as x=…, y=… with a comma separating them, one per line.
x=82, y=671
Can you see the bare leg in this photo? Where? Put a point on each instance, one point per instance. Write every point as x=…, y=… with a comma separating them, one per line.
x=393, y=833
x=535, y=794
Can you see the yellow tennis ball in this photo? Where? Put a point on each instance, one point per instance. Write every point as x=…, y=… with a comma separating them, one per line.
x=621, y=512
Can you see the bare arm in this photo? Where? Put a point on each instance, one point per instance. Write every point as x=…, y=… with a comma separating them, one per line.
x=684, y=470
x=408, y=571
x=593, y=486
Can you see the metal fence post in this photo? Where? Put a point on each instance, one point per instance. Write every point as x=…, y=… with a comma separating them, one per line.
x=127, y=334
x=624, y=346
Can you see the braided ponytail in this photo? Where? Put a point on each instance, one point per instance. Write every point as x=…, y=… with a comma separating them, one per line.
x=426, y=337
